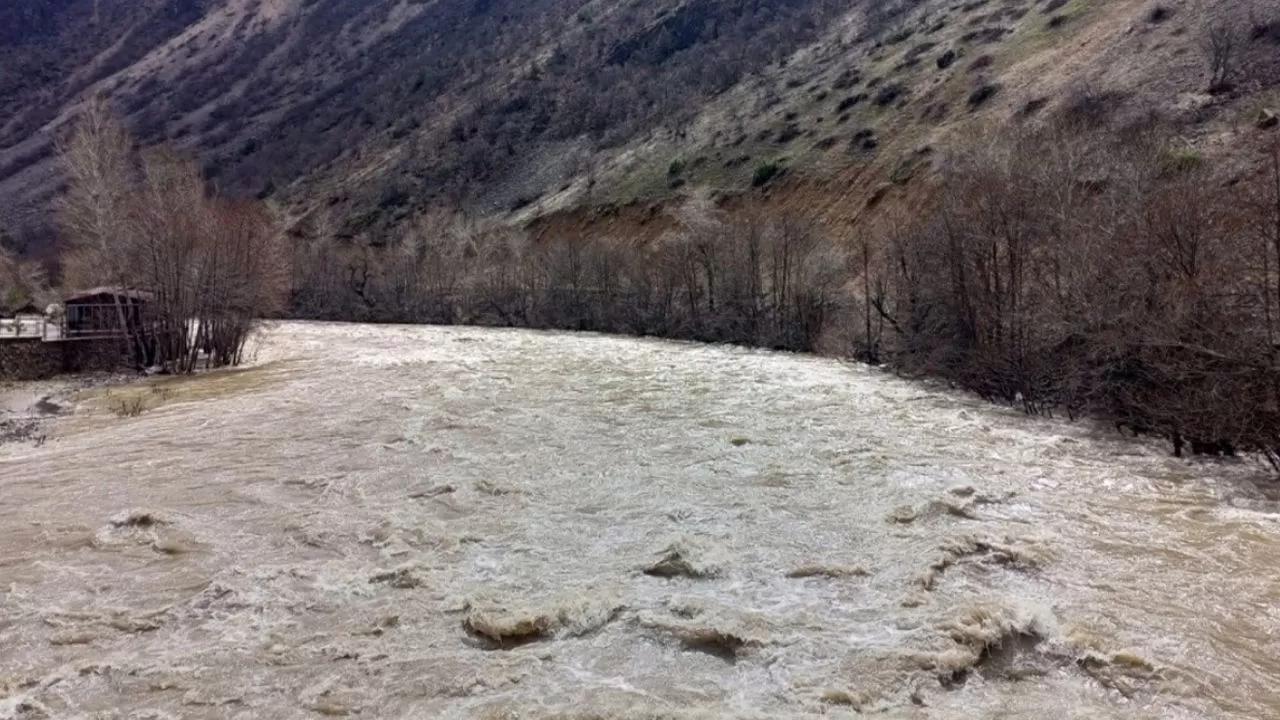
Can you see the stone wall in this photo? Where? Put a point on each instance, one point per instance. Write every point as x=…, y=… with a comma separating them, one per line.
x=94, y=355
x=34, y=359
x=29, y=359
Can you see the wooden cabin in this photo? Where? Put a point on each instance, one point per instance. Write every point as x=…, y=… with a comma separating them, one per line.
x=104, y=312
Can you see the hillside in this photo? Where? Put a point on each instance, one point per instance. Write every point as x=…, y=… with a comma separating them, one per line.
x=372, y=111
x=386, y=104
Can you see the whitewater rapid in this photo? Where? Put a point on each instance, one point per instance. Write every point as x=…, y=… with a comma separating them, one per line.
x=397, y=522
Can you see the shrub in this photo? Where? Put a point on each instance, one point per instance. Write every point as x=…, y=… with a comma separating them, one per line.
x=765, y=172
x=889, y=93
x=847, y=79
x=982, y=62
x=982, y=94
x=1159, y=13
x=1032, y=106
x=1089, y=106
x=935, y=112
x=788, y=133
x=1264, y=29
x=920, y=49
x=676, y=167
x=985, y=35
x=1175, y=161
x=129, y=406
x=850, y=101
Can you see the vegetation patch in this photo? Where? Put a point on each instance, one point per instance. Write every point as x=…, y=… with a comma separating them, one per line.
x=1158, y=13
x=1175, y=161
x=981, y=94
x=766, y=172
x=887, y=94
x=136, y=398
x=850, y=102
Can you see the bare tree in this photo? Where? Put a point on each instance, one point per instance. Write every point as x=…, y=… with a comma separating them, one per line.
x=99, y=166
x=1220, y=44
x=101, y=171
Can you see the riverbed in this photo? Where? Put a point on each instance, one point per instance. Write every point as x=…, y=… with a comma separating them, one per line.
x=396, y=522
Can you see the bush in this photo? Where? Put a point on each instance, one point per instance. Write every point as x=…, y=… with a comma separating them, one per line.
x=1176, y=161
x=889, y=93
x=982, y=62
x=850, y=101
x=1159, y=13
x=982, y=94
x=676, y=167
x=129, y=407
x=1032, y=106
x=1088, y=106
x=788, y=133
x=847, y=79
x=1265, y=29
x=765, y=172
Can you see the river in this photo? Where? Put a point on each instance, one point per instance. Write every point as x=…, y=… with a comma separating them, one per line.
x=396, y=522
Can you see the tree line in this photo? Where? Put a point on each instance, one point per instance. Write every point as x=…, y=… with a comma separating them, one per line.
x=770, y=282
x=1075, y=272
x=1057, y=268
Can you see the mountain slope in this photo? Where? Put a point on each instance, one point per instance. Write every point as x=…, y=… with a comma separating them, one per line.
x=371, y=111
x=440, y=97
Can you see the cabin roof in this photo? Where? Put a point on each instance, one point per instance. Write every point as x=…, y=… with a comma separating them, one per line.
x=89, y=294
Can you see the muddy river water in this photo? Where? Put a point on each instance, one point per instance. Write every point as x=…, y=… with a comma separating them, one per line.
x=412, y=522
